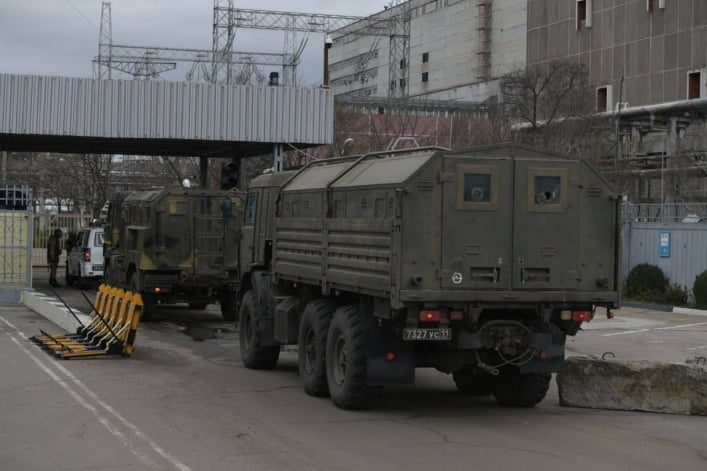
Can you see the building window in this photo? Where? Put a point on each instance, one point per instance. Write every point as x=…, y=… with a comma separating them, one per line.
x=425, y=77
x=425, y=57
x=604, y=98
x=402, y=83
x=650, y=4
x=694, y=82
x=402, y=64
x=584, y=14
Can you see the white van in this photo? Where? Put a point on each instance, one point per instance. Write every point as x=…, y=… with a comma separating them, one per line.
x=85, y=261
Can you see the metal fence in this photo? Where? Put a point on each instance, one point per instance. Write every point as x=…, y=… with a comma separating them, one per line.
x=671, y=236
x=15, y=242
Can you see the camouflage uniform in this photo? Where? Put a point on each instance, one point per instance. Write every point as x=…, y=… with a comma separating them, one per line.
x=53, y=252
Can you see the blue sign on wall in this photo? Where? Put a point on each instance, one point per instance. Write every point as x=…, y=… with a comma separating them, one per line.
x=664, y=248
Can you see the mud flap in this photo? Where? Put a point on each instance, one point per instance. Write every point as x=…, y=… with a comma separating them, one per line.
x=390, y=360
x=553, y=344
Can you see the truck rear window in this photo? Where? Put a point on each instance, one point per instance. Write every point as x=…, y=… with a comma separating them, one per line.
x=477, y=188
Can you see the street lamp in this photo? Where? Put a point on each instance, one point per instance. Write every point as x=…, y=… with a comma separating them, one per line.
x=328, y=42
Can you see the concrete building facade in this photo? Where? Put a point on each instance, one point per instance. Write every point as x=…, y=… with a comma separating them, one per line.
x=459, y=49
x=659, y=47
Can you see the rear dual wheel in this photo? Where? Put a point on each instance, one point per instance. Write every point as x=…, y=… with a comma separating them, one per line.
x=312, y=346
x=346, y=360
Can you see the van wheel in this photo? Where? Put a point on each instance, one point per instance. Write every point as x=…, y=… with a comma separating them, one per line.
x=253, y=354
x=69, y=278
x=520, y=390
x=311, y=352
x=346, y=360
x=81, y=282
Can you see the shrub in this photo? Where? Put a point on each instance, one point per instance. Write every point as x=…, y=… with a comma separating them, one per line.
x=645, y=280
x=675, y=295
x=699, y=290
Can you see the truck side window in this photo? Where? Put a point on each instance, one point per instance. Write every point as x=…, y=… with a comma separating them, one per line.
x=547, y=189
x=250, y=205
x=477, y=188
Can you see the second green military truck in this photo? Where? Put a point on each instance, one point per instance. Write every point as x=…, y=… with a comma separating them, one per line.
x=176, y=245
x=477, y=263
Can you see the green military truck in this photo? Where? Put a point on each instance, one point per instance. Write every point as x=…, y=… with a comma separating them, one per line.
x=176, y=245
x=477, y=263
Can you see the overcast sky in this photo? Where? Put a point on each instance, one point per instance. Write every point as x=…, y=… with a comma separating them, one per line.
x=60, y=37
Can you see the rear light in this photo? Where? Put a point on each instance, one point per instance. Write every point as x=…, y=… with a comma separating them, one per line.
x=582, y=316
x=87, y=254
x=157, y=289
x=456, y=315
x=430, y=316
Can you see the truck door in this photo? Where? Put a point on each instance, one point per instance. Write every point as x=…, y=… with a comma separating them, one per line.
x=247, y=240
x=477, y=223
x=546, y=225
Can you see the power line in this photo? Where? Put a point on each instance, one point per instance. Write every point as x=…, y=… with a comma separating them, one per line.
x=82, y=15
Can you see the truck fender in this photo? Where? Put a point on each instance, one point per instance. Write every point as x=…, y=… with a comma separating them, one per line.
x=389, y=359
x=264, y=302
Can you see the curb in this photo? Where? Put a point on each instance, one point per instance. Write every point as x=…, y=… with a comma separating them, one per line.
x=674, y=309
x=53, y=310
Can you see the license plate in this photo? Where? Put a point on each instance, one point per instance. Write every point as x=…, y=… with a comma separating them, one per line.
x=427, y=334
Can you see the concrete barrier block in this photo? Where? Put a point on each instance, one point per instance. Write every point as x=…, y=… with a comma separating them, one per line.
x=670, y=388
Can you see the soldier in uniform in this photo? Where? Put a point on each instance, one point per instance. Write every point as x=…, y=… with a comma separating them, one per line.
x=53, y=252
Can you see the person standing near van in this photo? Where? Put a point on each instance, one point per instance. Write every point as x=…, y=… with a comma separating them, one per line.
x=53, y=252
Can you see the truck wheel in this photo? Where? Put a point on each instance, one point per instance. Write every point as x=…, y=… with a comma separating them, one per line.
x=253, y=354
x=472, y=381
x=346, y=360
x=229, y=306
x=311, y=343
x=520, y=390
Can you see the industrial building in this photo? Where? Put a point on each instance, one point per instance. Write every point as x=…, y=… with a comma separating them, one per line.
x=459, y=49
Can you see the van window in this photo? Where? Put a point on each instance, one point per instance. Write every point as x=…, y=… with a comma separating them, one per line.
x=477, y=187
x=547, y=189
x=98, y=242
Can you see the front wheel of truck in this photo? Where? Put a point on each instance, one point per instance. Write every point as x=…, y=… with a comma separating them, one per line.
x=229, y=305
x=346, y=360
x=520, y=390
x=253, y=354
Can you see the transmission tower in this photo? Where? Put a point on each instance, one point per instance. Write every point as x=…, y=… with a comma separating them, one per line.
x=399, y=51
x=105, y=39
x=224, y=33
x=227, y=19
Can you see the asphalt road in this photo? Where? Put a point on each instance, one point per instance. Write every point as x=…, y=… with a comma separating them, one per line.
x=186, y=404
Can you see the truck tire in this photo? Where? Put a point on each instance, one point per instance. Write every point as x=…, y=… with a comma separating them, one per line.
x=229, y=306
x=311, y=353
x=346, y=360
x=520, y=390
x=254, y=355
x=472, y=381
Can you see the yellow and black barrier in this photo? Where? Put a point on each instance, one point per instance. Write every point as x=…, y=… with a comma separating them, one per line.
x=111, y=329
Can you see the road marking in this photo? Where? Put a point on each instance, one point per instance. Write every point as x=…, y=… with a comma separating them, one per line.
x=110, y=426
x=656, y=328
x=700, y=347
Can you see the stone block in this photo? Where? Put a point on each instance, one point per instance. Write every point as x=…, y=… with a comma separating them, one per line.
x=670, y=388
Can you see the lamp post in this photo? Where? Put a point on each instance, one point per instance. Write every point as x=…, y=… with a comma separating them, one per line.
x=328, y=42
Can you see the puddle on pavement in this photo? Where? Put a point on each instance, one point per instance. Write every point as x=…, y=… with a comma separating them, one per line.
x=199, y=332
